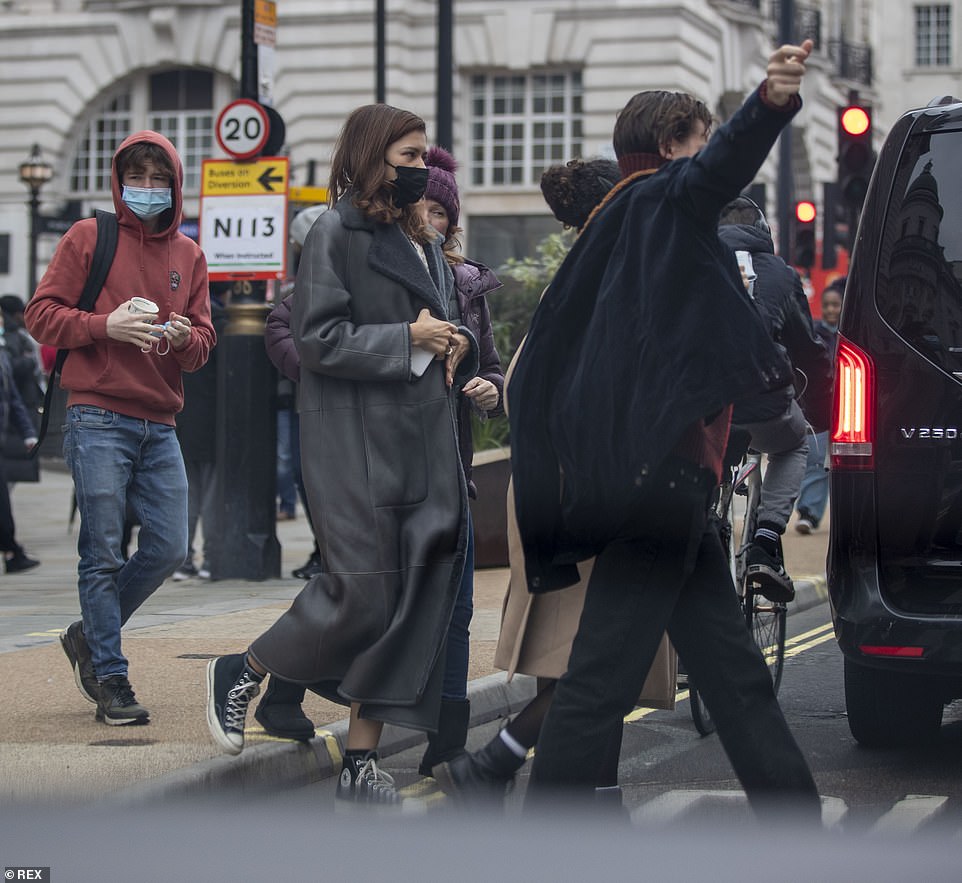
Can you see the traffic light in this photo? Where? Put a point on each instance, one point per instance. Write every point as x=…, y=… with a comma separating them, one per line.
x=855, y=155
x=803, y=238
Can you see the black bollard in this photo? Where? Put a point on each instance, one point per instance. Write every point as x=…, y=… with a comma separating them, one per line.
x=246, y=467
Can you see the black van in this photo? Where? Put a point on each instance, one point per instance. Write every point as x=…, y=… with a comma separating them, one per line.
x=895, y=548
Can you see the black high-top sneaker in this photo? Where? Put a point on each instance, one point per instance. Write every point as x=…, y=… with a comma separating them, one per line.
x=231, y=684
x=362, y=781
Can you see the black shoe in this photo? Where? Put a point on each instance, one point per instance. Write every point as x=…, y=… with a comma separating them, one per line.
x=117, y=705
x=766, y=575
x=280, y=714
x=19, y=562
x=312, y=567
x=231, y=684
x=75, y=646
x=448, y=742
x=363, y=782
x=479, y=775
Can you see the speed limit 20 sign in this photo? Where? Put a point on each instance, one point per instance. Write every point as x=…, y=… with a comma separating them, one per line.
x=242, y=128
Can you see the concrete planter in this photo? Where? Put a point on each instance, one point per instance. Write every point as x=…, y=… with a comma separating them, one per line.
x=491, y=471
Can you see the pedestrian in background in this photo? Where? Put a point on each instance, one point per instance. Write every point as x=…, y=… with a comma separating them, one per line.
x=774, y=420
x=537, y=630
x=24, y=354
x=481, y=396
x=123, y=377
x=381, y=363
x=197, y=434
x=14, y=416
x=813, y=495
x=624, y=386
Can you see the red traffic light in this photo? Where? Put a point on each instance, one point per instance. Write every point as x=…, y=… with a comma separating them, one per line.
x=855, y=120
x=805, y=211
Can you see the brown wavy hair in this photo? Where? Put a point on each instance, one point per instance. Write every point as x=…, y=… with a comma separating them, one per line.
x=652, y=120
x=358, y=165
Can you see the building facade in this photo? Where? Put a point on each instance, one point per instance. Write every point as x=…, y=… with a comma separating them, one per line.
x=535, y=82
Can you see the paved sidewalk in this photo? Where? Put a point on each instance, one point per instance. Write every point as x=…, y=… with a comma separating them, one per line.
x=51, y=748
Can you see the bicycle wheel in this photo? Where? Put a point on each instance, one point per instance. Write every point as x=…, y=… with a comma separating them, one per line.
x=766, y=622
x=700, y=713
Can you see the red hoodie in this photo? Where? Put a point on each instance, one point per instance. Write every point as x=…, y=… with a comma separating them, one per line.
x=165, y=267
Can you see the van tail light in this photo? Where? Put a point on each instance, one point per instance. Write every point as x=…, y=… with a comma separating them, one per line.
x=853, y=414
x=903, y=652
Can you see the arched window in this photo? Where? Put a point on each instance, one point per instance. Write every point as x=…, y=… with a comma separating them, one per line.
x=178, y=103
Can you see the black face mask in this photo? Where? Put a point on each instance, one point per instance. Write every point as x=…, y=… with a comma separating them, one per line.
x=410, y=184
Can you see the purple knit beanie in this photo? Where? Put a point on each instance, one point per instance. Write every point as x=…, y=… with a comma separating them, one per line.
x=441, y=184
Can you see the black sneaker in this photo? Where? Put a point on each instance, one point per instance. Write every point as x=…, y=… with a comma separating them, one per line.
x=75, y=646
x=231, y=684
x=766, y=575
x=19, y=562
x=117, y=705
x=311, y=568
x=363, y=782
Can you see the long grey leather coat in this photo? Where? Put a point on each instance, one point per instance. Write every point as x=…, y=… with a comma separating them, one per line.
x=380, y=462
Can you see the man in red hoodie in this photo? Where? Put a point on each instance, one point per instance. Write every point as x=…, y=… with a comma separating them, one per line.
x=123, y=377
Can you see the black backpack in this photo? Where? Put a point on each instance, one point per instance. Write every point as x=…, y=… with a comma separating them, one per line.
x=103, y=257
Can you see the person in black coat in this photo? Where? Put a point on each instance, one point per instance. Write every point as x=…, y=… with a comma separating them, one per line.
x=197, y=434
x=636, y=353
x=775, y=421
x=12, y=410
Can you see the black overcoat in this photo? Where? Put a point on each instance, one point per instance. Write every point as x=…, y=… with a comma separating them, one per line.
x=645, y=329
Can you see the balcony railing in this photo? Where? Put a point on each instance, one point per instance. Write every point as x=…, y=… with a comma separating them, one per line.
x=853, y=61
x=807, y=24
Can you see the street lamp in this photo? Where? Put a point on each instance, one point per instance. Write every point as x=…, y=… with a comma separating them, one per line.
x=34, y=173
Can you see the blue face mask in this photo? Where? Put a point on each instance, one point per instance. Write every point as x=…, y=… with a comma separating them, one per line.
x=147, y=202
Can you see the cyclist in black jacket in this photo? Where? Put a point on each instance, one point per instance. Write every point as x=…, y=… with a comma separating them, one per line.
x=778, y=421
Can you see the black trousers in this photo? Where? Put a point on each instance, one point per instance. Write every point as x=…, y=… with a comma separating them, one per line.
x=8, y=540
x=668, y=570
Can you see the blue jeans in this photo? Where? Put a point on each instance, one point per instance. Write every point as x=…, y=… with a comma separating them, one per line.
x=116, y=462
x=457, y=650
x=813, y=494
x=286, y=476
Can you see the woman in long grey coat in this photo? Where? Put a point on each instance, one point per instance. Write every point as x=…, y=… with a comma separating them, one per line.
x=381, y=361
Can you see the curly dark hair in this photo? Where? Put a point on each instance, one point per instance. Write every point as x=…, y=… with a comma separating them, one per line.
x=574, y=189
x=654, y=119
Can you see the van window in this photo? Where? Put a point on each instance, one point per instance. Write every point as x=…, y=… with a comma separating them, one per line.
x=918, y=291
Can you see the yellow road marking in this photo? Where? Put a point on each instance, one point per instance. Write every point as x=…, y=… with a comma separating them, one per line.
x=793, y=646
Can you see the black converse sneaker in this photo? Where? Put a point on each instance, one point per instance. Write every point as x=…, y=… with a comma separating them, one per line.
x=116, y=704
x=231, y=684
x=363, y=783
x=75, y=647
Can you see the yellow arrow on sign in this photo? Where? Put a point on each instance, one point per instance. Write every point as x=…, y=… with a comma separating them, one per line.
x=224, y=177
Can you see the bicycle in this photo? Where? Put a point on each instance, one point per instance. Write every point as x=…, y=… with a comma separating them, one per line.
x=765, y=619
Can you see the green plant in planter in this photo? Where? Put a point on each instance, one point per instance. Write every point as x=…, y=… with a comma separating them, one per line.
x=511, y=308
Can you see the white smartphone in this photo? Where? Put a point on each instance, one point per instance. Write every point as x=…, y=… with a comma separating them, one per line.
x=744, y=259
x=420, y=359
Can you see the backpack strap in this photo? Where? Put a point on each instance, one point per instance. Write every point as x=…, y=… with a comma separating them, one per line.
x=103, y=257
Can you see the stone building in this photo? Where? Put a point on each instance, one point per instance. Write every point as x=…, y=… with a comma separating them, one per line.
x=534, y=82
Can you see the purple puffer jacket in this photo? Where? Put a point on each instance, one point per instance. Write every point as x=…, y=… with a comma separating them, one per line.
x=472, y=282
x=279, y=340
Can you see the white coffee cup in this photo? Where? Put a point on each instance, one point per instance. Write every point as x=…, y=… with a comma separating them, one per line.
x=142, y=305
